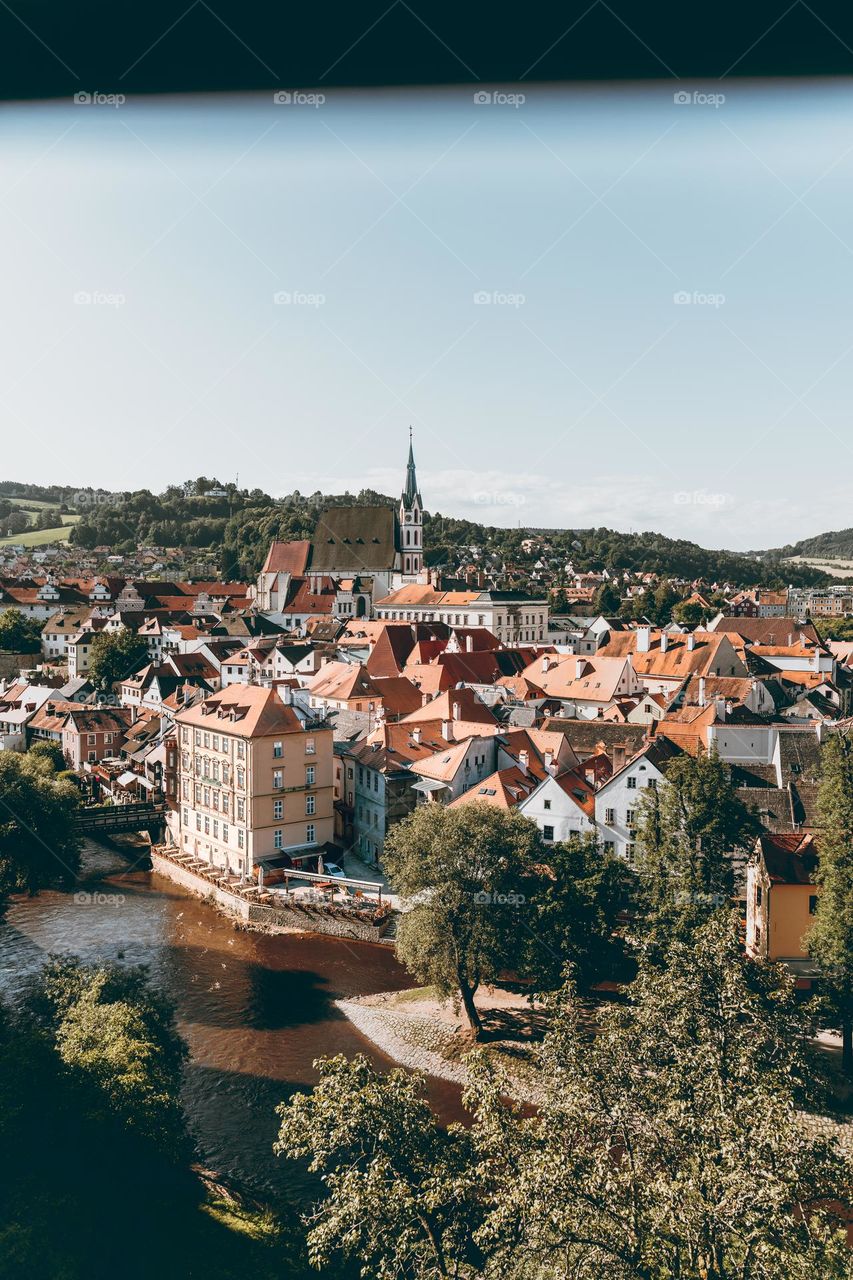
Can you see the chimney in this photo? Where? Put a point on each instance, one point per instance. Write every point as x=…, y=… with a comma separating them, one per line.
x=617, y=755
x=691, y=642
x=644, y=639
x=580, y=666
x=456, y=710
x=447, y=730
x=546, y=664
x=286, y=694
x=720, y=705
x=469, y=644
x=523, y=761
x=416, y=735
x=664, y=641
x=701, y=691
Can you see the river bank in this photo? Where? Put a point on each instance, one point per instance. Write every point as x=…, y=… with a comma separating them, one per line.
x=423, y=1033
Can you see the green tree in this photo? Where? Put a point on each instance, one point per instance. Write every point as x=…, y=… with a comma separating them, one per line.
x=689, y=613
x=18, y=633
x=670, y=1143
x=689, y=828
x=402, y=1193
x=607, y=599
x=115, y=656
x=461, y=868
x=45, y=749
x=576, y=901
x=38, y=844
x=830, y=940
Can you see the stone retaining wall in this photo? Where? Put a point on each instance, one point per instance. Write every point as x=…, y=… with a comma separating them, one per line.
x=256, y=916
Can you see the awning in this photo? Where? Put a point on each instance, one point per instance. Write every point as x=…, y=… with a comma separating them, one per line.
x=429, y=784
x=127, y=778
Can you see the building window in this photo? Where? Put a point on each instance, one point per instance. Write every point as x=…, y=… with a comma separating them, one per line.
x=206, y=825
x=609, y=817
x=241, y=809
x=198, y=822
x=310, y=833
x=812, y=904
x=759, y=894
x=546, y=804
x=241, y=778
x=241, y=750
x=240, y=838
x=310, y=746
x=310, y=773
x=547, y=833
x=225, y=832
x=277, y=779
x=630, y=850
x=277, y=750
x=631, y=783
x=278, y=809
x=310, y=805
x=630, y=817
x=276, y=838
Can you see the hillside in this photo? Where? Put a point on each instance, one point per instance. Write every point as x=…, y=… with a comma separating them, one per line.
x=203, y=513
x=837, y=544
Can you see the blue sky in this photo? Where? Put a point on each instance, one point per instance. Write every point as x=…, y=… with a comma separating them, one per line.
x=595, y=306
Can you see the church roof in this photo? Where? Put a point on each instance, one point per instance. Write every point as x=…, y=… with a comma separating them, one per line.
x=356, y=539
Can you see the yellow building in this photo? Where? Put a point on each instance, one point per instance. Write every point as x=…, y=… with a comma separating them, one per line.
x=781, y=896
x=253, y=780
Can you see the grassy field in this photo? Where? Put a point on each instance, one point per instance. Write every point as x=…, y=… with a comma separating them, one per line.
x=40, y=537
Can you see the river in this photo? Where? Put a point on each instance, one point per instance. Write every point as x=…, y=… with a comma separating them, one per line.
x=255, y=1010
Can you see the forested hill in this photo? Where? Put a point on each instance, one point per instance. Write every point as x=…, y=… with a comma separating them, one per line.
x=838, y=543
x=204, y=513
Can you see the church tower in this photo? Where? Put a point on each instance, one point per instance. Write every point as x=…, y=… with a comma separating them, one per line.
x=411, y=521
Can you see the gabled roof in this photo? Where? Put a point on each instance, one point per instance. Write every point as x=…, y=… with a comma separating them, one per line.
x=788, y=859
x=287, y=557
x=355, y=539
x=247, y=711
x=505, y=789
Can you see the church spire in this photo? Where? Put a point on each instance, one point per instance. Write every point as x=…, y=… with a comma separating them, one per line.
x=411, y=490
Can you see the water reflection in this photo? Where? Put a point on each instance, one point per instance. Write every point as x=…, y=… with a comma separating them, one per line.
x=255, y=1010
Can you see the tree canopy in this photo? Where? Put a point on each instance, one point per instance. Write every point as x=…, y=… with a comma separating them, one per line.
x=114, y=656
x=38, y=844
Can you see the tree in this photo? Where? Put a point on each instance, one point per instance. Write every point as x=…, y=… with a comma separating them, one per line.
x=830, y=940
x=668, y=1142
x=689, y=829
x=38, y=843
x=607, y=599
x=402, y=1194
x=689, y=613
x=45, y=749
x=576, y=903
x=18, y=633
x=461, y=868
x=115, y=656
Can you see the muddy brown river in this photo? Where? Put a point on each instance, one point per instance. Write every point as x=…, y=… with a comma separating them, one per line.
x=254, y=1010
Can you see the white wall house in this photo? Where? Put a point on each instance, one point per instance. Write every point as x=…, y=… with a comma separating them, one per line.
x=617, y=802
x=560, y=807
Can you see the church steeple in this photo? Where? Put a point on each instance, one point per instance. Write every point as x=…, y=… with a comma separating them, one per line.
x=411, y=520
x=410, y=492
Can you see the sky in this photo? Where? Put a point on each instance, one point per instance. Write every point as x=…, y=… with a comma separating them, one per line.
x=594, y=306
